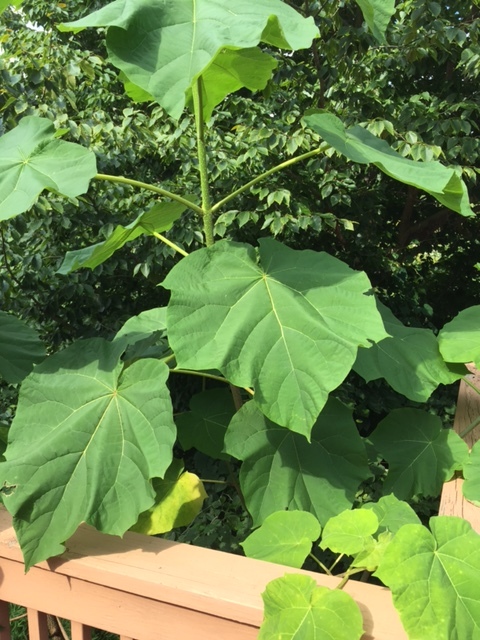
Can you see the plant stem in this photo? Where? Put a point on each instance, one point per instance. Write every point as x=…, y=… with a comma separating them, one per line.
x=261, y=177
x=207, y=212
x=213, y=481
x=151, y=187
x=470, y=427
x=169, y=243
x=346, y=577
x=320, y=564
x=334, y=564
x=208, y=375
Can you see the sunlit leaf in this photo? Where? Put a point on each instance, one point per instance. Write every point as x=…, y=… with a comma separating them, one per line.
x=377, y=14
x=357, y=144
x=459, y=339
x=297, y=609
x=86, y=441
x=281, y=470
x=286, y=322
x=392, y=513
x=372, y=553
x=5, y=3
x=471, y=473
x=435, y=579
x=285, y=537
x=420, y=452
x=20, y=348
x=350, y=532
x=33, y=159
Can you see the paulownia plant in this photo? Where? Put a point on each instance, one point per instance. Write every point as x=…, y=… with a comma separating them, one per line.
x=92, y=440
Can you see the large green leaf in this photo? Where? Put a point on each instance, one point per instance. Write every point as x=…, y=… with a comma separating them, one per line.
x=350, y=532
x=5, y=3
x=86, y=441
x=33, y=159
x=20, y=348
x=281, y=470
x=377, y=14
x=297, y=609
x=157, y=219
x=409, y=360
x=421, y=454
x=205, y=425
x=471, y=473
x=435, y=579
x=285, y=537
x=286, y=322
x=459, y=339
x=162, y=46
x=357, y=144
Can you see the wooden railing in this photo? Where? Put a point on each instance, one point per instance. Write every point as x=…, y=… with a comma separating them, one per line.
x=150, y=589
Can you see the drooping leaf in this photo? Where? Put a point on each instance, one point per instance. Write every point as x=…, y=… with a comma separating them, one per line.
x=144, y=335
x=459, y=339
x=421, y=454
x=85, y=443
x=162, y=47
x=281, y=470
x=350, y=532
x=20, y=348
x=471, y=474
x=286, y=322
x=33, y=159
x=297, y=609
x=392, y=513
x=372, y=554
x=179, y=499
x=285, y=537
x=409, y=360
x=435, y=579
x=359, y=145
x=377, y=14
x=205, y=425
x=157, y=219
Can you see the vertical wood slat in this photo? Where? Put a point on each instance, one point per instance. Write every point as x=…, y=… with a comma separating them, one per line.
x=37, y=625
x=4, y=621
x=80, y=631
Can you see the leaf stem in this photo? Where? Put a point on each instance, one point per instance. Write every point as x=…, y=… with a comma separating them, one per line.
x=320, y=564
x=262, y=176
x=334, y=564
x=208, y=375
x=213, y=481
x=151, y=187
x=202, y=162
x=159, y=236
x=346, y=577
x=470, y=427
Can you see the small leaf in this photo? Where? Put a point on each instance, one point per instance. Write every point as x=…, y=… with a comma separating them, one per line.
x=371, y=556
x=471, y=473
x=20, y=348
x=33, y=159
x=297, y=609
x=143, y=325
x=205, y=425
x=350, y=532
x=359, y=145
x=421, y=454
x=285, y=537
x=392, y=513
x=179, y=499
x=460, y=339
x=435, y=579
x=377, y=14
x=159, y=218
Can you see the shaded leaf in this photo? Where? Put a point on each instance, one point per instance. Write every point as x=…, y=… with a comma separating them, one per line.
x=459, y=339
x=296, y=608
x=85, y=442
x=435, y=579
x=159, y=218
x=377, y=14
x=33, y=159
x=359, y=145
x=286, y=322
x=285, y=537
x=471, y=473
x=144, y=335
x=177, y=41
x=372, y=554
x=409, y=360
x=281, y=470
x=350, y=532
x=20, y=348
x=392, y=513
x=179, y=499
x=205, y=425
x=421, y=454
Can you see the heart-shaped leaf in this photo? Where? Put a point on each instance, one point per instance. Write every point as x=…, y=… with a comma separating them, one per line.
x=286, y=322
x=359, y=145
x=86, y=441
x=350, y=532
x=409, y=360
x=33, y=159
x=459, y=339
x=163, y=46
x=285, y=537
x=392, y=513
x=281, y=470
x=435, y=579
x=20, y=348
x=297, y=609
x=377, y=14
x=421, y=454
x=159, y=218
